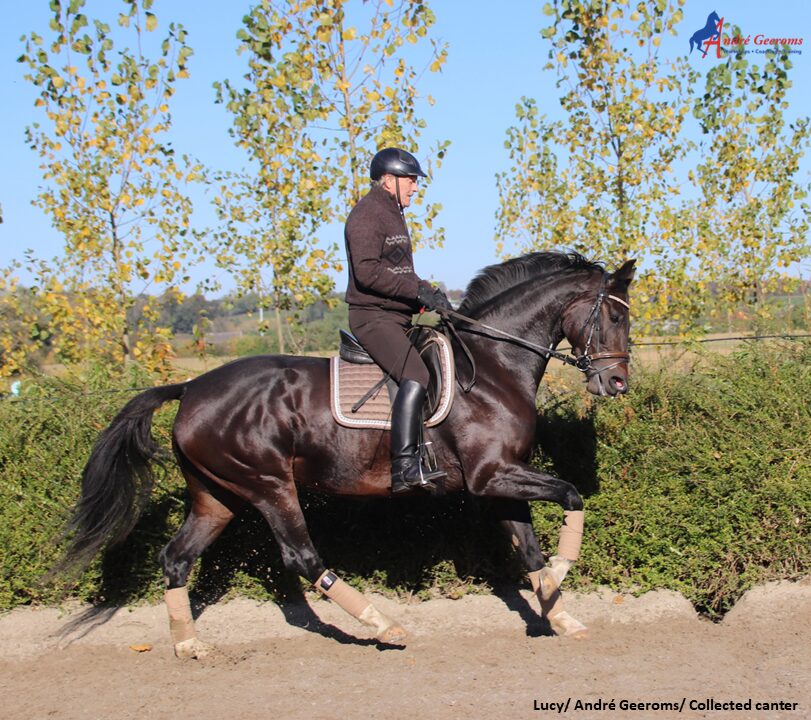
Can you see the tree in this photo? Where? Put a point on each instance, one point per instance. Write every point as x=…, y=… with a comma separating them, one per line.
x=112, y=182
x=600, y=181
x=753, y=212
x=613, y=178
x=320, y=97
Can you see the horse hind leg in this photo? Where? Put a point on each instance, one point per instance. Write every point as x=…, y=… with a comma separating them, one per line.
x=207, y=518
x=281, y=508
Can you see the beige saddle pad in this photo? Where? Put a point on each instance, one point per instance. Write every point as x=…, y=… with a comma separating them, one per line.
x=351, y=381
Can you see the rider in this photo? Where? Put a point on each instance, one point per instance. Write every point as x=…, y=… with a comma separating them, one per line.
x=383, y=293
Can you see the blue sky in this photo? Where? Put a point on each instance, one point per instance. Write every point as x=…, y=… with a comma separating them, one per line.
x=496, y=55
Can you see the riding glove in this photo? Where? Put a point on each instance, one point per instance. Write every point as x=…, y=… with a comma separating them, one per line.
x=432, y=298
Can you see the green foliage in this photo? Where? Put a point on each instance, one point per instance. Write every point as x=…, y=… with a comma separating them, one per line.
x=45, y=438
x=753, y=210
x=698, y=481
x=600, y=180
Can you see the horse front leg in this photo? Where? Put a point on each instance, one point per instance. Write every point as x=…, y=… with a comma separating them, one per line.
x=514, y=488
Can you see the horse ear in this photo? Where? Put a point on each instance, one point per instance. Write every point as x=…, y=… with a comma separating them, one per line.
x=622, y=277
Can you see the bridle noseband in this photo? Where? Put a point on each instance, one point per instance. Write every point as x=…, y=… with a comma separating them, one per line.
x=582, y=362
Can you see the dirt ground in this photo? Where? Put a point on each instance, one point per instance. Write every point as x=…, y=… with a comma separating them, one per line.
x=478, y=657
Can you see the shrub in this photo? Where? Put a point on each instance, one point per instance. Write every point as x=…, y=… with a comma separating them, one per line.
x=697, y=481
x=45, y=438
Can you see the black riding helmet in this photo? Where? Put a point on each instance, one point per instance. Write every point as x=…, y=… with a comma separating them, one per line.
x=393, y=161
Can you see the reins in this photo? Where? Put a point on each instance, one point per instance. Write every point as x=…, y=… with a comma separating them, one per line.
x=583, y=362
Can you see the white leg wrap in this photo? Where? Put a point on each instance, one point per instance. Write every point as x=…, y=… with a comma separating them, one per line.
x=571, y=535
x=386, y=629
x=181, y=623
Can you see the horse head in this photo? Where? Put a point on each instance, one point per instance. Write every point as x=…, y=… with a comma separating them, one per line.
x=597, y=326
x=712, y=20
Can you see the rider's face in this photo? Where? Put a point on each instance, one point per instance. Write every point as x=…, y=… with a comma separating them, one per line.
x=408, y=186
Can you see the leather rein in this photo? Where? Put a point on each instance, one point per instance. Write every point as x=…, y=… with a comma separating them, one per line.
x=581, y=362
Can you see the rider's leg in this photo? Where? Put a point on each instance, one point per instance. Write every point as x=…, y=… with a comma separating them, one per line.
x=407, y=469
x=383, y=335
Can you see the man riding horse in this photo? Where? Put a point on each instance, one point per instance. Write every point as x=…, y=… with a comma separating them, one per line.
x=259, y=430
x=383, y=293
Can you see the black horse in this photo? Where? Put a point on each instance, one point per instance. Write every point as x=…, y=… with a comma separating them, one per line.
x=259, y=428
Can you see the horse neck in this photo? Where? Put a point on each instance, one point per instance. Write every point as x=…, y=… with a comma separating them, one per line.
x=531, y=314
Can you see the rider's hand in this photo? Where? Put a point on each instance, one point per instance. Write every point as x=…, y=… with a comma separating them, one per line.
x=441, y=301
x=432, y=298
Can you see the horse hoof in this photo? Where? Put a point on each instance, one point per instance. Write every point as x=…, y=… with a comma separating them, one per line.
x=192, y=649
x=394, y=635
x=564, y=625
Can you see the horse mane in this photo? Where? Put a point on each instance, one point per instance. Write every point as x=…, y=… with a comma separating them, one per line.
x=494, y=280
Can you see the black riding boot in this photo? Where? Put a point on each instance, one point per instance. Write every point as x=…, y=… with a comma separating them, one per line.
x=407, y=470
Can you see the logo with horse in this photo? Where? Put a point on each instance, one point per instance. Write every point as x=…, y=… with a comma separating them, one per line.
x=709, y=35
x=712, y=35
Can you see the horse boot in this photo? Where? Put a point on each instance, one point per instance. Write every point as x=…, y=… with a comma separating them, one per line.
x=407, y=469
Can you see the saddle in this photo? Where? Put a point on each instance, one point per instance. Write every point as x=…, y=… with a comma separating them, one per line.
x=357, y=398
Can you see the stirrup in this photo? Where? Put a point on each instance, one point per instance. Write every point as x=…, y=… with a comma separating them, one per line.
x=424, y=480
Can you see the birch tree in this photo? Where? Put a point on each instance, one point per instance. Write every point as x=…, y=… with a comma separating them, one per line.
x=112, y=184
x=601, y=181
x=752, y=214
x=323, y=92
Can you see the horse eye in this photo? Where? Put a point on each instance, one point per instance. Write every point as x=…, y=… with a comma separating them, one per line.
x=615, y=319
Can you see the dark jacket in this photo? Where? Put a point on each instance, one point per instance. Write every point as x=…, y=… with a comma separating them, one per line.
x=378, y=246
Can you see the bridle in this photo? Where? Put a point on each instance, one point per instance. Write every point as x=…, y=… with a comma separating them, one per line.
x=595, y=320
x=582, y=362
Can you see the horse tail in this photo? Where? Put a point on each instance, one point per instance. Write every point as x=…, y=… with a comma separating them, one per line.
x=117, y=480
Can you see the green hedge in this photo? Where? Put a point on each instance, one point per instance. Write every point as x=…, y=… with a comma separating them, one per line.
x=698, y=481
